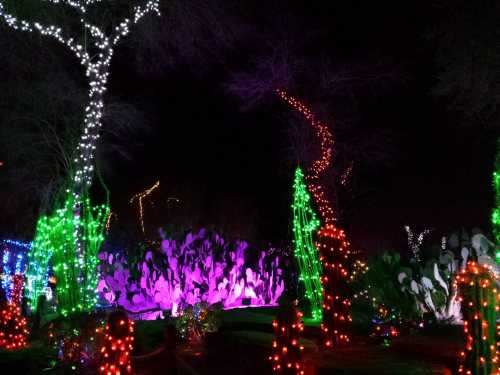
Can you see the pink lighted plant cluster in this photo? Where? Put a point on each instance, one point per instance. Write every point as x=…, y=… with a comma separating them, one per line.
x=201, y=268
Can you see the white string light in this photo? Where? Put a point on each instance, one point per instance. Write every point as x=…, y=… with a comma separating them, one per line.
x=415, y=244
x=97, y=69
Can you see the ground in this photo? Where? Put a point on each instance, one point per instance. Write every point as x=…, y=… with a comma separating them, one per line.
x=243, y=345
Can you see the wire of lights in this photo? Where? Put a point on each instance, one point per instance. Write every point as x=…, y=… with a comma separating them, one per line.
x=55, y=243
x=332, y=243
x=287, y=356
x=118, y=344
x=140, y=196
x=495, y=214
x=109, y=219
x=305, y=224
x=25, y=245
x=415, y=244
x=13, y=326
x=479, y=299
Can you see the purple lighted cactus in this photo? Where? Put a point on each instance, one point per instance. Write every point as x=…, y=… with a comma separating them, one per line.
x=203, y=268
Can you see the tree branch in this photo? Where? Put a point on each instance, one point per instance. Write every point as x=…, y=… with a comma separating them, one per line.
x=123, y=29
x=51, y=31
x=76, y=4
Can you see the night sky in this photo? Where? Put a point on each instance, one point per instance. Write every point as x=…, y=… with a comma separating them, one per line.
x=227, y=164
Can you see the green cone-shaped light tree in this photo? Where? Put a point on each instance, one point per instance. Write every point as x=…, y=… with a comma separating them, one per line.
x=305, y=225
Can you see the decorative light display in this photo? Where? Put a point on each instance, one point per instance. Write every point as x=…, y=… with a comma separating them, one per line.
x=108, y=220
x=415, y=244
x=194, y=322
x=140, y=197
x=13, y=255
x=344, y=179
x=55, y=244
x=495, y=214
x=480, y=303
x=385, y=323
x=305, y=224
x=94, y=49
x=16, y=243
x=13, y=326
x=331, y=242
x=287, y=356
x=204, y=267
x=118, y=344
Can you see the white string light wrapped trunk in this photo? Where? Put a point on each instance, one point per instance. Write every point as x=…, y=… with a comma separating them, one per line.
x=97, y=72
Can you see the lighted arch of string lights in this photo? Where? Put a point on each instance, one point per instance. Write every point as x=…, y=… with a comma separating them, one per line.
x=331, y=242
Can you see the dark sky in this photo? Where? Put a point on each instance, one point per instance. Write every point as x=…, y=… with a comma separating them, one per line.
x=440, y=173
x=228, y=165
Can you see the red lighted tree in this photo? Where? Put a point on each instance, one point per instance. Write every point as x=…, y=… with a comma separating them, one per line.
x=287, y=356
x=479, y=299
x=13, y=326
x=118, y=344
x=331, y=242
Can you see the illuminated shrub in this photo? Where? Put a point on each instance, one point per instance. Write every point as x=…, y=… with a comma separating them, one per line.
x=479, y=299
x=202, y=268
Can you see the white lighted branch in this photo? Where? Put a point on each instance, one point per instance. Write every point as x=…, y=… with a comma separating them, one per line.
x=97, y=72
x=415, y=244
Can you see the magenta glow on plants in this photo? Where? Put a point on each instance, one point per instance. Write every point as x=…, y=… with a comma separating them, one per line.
x=201, y=268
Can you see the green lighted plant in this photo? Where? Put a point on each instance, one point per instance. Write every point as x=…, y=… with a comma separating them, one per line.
x=56, y=245
x=305, y=224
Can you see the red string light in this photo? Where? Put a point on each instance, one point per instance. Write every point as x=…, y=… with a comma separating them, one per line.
x=480, y=304
x=287, y=357
x=118, y=344
x=13, y=326
x=332, y=243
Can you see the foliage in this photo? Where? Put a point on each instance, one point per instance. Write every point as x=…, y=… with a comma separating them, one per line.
x=379, y=286
x=202, y=267
x=56, y=245
x=194, y=322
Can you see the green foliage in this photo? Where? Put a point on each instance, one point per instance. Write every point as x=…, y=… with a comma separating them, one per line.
x=305, y=224
x=75, y=269
x=381, y=282
x=196, y=321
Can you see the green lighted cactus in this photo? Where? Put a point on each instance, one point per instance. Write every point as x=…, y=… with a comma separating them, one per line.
x=479, y=299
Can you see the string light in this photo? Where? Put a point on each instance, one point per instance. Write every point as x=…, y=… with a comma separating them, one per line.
x=332, y=243
x=13, y=326
x=495, y=214
x=55, y=243
x=415, y=244
x=287, y=356
x=13, y=263
x=140, y=197
x=97, y=67
x=118, y=344
x=480, y=304
x=305, y=223
x=108, y=221
x=25, y=245
x=344, y=179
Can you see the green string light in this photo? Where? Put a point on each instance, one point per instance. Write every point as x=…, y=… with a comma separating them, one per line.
x=305, y=224
x=56, y=244
x=495, y=215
